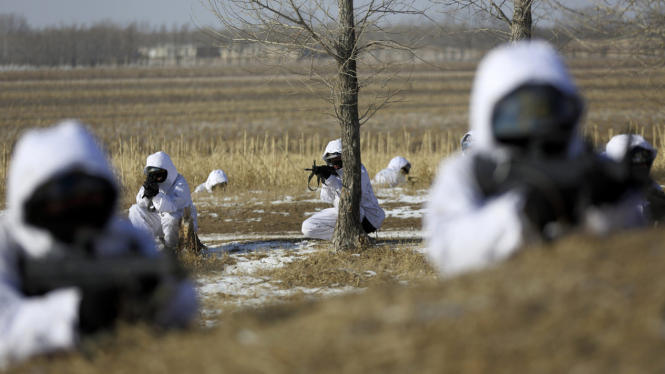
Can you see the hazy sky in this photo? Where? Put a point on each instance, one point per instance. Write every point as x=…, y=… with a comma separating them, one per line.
x=40, y=13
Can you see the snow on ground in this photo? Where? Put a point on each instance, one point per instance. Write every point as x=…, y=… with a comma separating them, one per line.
x=254, y=236
x=404, y=212
x=290, y=199
x=237, y=286
x=397, y=195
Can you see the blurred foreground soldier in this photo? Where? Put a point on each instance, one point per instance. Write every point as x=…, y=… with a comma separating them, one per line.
x=466, y=143
x=68, y=266
x=216, y=180
x=322, y=224
x=530, y=176
x=161, y=201
x=641, y=155
x=395, y=174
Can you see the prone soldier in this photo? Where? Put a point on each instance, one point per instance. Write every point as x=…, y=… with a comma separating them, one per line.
x=69, y=267
x=530, y=176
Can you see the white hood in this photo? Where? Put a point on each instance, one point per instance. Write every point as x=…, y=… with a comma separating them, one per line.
x=469, y=136
x=616, y=147
x=505, y=69
x=334, y=146
x=216, y=177
x=162, y=160
x=397, y=163
x=40, y=155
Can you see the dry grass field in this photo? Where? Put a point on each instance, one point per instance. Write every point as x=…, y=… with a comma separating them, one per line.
x=579, y=306
x=244, y=124
x=565, y=308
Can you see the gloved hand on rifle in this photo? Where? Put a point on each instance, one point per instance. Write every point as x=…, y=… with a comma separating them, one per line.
x=322, y=172
x=154, y=176
x=128, y=288
x=150, y=188
x=557, y=190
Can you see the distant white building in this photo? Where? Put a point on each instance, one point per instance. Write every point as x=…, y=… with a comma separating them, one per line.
x=169, y=54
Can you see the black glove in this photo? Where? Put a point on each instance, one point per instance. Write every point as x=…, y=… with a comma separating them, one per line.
x=324, y=172
x=99, y=310
x=150, y=189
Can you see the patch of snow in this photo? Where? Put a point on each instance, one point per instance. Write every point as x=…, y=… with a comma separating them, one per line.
x=247, y=290
x=245, y=247
x=397, y=195
x=404, y=212
x=290, y=199
x=258, y=211
x=398, y=234
x=231, y=237
x=285, y=200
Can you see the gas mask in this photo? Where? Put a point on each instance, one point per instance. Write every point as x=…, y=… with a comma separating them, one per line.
x=333, y=160
x=156, y=174
x=536, y=120
x=72, y=207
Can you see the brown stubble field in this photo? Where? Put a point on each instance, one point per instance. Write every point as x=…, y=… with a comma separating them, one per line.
x=245, y=124
x=575, y=299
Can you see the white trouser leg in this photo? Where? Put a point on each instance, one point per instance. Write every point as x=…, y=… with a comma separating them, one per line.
x=321, y=225
x=171, y=228
x=143, y=219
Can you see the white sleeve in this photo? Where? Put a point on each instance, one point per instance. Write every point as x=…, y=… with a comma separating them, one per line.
x=465, y=230
x=379, y=178
x=200, y=188
x=178, y=199
x=35, y=325
x=331, y=189
x=140, y=200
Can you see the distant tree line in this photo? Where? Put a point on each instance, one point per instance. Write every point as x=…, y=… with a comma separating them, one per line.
x=103, y=43
x=111, y=44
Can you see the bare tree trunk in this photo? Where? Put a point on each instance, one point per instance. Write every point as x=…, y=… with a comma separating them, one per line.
x=349, y=234
x=520, y=29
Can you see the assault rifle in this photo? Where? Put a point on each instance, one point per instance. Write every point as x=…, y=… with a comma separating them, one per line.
x=319, y=171
x=138, y=285
x=557, y=190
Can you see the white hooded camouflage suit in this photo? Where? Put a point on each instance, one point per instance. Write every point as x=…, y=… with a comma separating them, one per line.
x=322, y=224
x=216, y=177
x=465, y=229
x=34, y=325
x=169, y=203
x=391, y=176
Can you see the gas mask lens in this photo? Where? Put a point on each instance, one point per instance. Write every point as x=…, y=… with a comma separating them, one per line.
x=641, y=157
x=71, y=204
x=158, y=174
x=535, y=111
x=466, y=145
